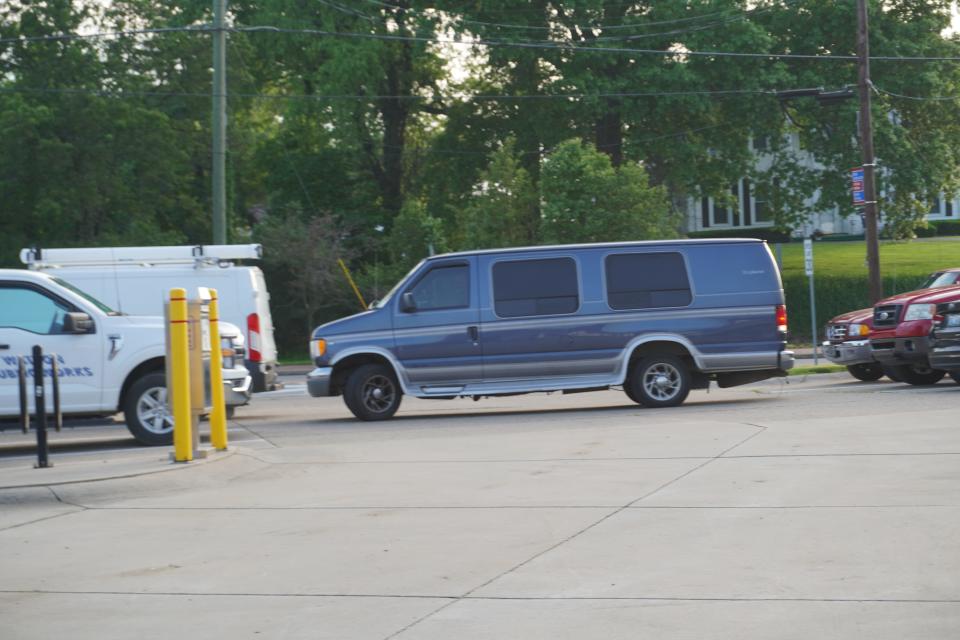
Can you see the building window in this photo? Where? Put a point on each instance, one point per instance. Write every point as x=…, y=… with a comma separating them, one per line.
x=535, y=287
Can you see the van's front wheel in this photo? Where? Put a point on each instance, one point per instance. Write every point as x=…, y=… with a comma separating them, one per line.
x=372, y=392
x=659, y=381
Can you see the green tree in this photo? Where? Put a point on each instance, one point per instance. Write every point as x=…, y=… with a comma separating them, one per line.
x=502, y=210
x=586, y=199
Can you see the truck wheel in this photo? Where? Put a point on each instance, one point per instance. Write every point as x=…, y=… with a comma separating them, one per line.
x=146, y=412
x=868, y=371
x=659, y=381
x=919, y=375
x=372, y=392
x=956, y=376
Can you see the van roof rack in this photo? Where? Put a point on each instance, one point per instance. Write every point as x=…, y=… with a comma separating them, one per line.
x=198, y=254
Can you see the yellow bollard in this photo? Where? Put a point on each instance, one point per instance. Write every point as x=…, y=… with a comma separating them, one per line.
x=218, y=413
x=180, y=377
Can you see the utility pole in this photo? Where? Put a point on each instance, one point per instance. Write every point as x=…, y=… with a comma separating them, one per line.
x=870, y=207
x=219, y=123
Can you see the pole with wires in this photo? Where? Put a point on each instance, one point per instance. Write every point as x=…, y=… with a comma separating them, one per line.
x=870, y=209
x=219, y=123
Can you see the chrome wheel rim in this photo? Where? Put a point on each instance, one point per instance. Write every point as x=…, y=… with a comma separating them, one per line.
x=662, y=381
x=378, y=393
x=152, y=411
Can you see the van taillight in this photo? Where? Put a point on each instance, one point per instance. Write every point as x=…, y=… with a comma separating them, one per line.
x=782, y=318
x=253, y=338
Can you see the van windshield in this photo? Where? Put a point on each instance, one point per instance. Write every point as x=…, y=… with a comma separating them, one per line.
x=86, y=296
x=382, y=302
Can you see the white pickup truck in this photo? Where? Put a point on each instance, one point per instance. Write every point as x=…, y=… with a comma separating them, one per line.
x=109, y=362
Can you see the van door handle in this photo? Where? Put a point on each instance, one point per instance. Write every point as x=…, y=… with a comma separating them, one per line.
x=4, y=347
x=474, y=333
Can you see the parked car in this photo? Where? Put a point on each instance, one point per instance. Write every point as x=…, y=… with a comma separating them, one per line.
x=900, y=339
x=848, y=335
x=945, y=340
x=848, y=344
x=659, y=318
x=109, y=362
x=137, y=280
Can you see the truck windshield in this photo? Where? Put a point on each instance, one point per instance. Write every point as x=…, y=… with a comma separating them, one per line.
x=86, y=296
x=943, y=279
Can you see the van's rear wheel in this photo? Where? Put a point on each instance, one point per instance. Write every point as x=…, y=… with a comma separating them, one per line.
x=145, y=409
x=956, y=376
x=918, y=375
x=659, y=381
x=372, y=392
x=867, y=371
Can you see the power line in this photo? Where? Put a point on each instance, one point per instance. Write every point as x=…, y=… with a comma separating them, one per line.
x=565, y=48
x=462, y=98
x=520, y=44
x=106, y=34
x=604, y=27
x=917, y=98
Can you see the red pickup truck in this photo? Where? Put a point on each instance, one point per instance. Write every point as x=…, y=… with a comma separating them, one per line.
x=900, y=339
x=848, y=335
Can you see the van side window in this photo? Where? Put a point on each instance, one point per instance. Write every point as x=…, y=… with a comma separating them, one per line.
x=647, y=281
x=443, y=288
x=30, y=310
x=535, y=287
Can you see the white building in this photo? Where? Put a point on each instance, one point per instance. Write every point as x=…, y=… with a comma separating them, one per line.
x=751, y=212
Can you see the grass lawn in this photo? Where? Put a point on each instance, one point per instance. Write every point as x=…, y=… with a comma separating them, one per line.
x=897, y=259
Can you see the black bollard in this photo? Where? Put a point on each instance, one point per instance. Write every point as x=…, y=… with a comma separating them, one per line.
x=24, y=398
x=43, y=454
x=55, y=385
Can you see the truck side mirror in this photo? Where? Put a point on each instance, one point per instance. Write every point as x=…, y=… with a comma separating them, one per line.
x=77, y=322
x=407, y=303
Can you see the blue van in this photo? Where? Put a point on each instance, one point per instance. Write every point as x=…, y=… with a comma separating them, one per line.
x=659, y=318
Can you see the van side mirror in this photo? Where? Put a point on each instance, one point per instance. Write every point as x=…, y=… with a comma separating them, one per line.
x=77, y=322
x=407, y=303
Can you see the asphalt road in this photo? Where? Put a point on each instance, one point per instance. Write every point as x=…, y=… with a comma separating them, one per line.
x=818, y=508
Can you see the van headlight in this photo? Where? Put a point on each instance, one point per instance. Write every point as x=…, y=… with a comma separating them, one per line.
x=920, y=312
x=318, y=347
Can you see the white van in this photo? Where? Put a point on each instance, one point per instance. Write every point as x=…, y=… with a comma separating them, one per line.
x=137, y=280
x=109, y=362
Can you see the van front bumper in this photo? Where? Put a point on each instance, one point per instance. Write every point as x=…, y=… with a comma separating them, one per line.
x=318, y=382
x=848, y=353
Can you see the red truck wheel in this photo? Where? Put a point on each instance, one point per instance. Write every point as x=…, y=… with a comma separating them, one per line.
x=918, y=375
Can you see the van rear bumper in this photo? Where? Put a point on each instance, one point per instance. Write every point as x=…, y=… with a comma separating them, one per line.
x=318, y=382
x=264, y=375
x=785, y=360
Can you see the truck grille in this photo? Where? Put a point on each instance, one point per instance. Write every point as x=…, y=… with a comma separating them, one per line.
x=886, y=315
x=837, y=332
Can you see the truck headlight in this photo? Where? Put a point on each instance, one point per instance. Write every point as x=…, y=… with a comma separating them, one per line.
x=228, y=353
x=860, y=330
x=920, y=312
x=318, y=347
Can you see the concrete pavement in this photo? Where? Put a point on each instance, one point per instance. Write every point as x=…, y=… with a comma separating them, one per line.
x=822, y=508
